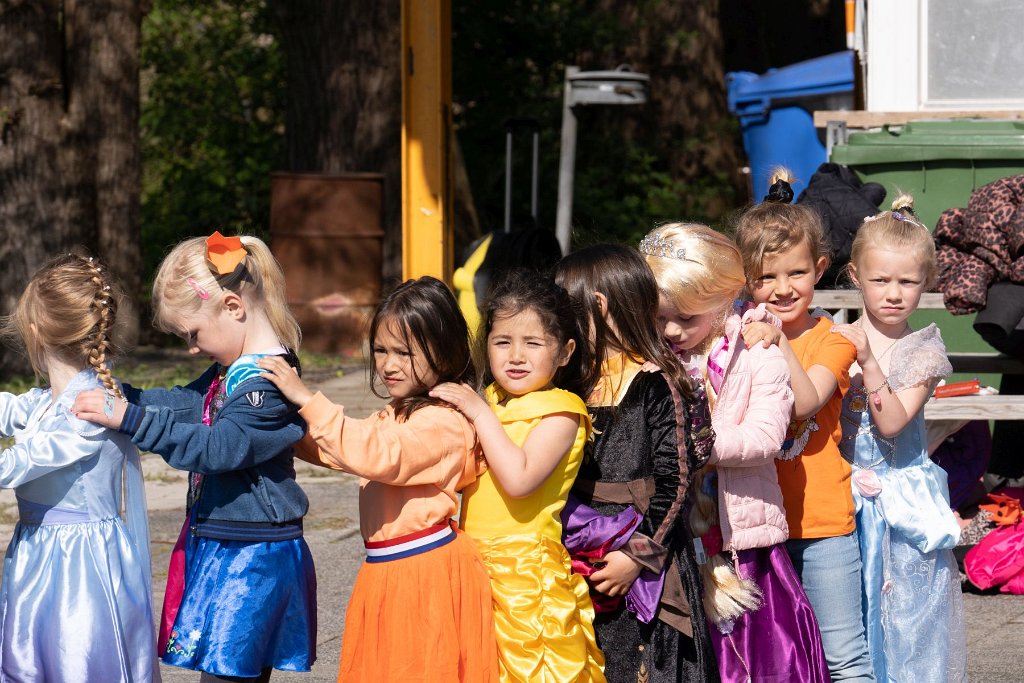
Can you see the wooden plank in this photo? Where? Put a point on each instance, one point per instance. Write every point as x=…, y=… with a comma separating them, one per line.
x=850, y=298
x=975, y=408
x=986, y=362
x=877, y=119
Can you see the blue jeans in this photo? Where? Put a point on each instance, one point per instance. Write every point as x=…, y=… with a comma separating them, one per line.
x=829, y=569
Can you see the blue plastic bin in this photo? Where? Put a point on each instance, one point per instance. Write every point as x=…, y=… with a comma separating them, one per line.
x=776, y=113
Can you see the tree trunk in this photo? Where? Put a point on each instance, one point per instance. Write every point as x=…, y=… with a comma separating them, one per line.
x=69, y=140
x=345, y=96
x=679, y=44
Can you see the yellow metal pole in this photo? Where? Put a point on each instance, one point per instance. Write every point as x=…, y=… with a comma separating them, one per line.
x=426, y=139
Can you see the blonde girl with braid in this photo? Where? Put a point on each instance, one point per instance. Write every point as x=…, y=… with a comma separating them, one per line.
x=762, y=625
x=241, y=589
x=75, y=597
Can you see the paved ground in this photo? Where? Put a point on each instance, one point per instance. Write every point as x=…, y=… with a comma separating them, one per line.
x=995, y=623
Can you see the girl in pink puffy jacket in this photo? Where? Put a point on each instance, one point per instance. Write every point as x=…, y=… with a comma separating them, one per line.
x=763, y=625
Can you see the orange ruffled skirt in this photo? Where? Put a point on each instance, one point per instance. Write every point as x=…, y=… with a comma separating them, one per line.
x=425, y=618
x=543, y=615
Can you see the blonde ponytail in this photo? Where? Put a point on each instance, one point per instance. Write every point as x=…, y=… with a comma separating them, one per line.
x=185, y=283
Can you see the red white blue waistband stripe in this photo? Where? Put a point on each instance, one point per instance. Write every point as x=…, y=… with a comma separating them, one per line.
x=411, y=544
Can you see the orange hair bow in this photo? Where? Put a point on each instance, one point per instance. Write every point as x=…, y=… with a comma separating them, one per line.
x=225, y=253
x=1005, y=509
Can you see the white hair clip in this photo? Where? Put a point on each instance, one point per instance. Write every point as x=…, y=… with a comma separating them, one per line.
x=659, y=246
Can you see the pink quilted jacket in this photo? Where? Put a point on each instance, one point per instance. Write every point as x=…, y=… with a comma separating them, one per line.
x=750, y=419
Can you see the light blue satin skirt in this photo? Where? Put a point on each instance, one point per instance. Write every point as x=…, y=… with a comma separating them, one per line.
x=246, y=607
x=75, y=606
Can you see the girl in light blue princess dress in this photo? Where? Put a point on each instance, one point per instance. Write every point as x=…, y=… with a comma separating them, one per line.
x=75, y=598
x=913, y=608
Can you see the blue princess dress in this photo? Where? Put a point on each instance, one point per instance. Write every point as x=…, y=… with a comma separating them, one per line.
x=75, y=597
x=913, y=608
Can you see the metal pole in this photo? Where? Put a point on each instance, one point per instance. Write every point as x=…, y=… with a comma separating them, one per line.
x=566, y=165
x=508, y=179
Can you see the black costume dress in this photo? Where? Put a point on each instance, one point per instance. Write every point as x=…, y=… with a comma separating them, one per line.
x=634, y=459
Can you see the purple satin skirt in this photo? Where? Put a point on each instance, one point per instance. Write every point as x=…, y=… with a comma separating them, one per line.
x=781, y=640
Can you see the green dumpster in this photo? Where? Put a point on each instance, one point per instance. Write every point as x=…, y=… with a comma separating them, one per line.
x=939, y=162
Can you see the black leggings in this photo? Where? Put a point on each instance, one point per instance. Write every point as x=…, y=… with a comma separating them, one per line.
x=262, y=678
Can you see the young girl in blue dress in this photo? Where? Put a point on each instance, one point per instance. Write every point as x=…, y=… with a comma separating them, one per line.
x=248, y=600
x=75, y=598
x=913, y=608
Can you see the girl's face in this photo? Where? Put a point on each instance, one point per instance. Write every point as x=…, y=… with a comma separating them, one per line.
x=401, y=366
x=892, y=283
x=217, y=334
x=787, y=283
x=683, y=332
x=523, y=355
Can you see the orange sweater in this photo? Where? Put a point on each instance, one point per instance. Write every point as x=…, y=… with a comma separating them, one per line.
x=410, y=470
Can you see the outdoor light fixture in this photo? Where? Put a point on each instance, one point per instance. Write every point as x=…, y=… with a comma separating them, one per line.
x=582, y=89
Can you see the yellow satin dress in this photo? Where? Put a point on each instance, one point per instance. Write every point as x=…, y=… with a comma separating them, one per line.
x=543, y=615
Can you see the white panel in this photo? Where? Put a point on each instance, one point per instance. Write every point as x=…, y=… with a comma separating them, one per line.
x=892, y=55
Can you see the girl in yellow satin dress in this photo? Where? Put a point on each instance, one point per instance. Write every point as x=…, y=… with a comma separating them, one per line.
x=532, y=426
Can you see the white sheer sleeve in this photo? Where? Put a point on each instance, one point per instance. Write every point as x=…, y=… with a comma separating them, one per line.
x=918, y=358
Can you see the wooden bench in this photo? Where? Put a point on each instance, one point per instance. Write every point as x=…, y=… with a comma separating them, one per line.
x=840, y=301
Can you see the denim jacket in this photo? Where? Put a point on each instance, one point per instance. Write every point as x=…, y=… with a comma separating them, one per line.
x=249, y=490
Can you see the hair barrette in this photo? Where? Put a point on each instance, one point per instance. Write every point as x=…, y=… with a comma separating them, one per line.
x=659, y=246
x=200, y=292
x=905, y=215
x=225, y=253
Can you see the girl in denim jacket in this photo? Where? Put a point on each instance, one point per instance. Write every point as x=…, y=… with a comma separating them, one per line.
x=757, y=592
x=241, y=593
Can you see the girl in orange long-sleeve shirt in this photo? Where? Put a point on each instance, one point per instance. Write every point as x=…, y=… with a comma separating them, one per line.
x=421, y=606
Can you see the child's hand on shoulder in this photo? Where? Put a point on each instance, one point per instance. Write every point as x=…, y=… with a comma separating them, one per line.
x=285, y=378
x=617, y=575
x=859, y=338
x=99, y=406
x=464, y=398
x=762, y=333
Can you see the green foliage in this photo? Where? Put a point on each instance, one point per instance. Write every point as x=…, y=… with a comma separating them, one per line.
x=212, y=120
x=509, y=60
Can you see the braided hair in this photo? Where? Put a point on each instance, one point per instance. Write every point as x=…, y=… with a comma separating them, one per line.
x=69, y=311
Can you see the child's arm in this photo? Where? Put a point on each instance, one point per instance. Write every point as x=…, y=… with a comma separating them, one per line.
x=15, y=410
x=423, y=449
x=661, y=521
x=812, y=387
x=519, y=470
x=60, y=441
x=285, y=378
x=248, y=431
x=186, y=401
x=758, y=436
x=891, y=411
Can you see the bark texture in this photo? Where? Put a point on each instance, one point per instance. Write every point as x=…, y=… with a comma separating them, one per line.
x=69, y=140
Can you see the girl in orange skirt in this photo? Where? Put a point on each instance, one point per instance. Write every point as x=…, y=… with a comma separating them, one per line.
x=420, y=609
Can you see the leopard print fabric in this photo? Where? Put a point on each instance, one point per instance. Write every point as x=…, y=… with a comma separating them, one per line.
x=981, y=244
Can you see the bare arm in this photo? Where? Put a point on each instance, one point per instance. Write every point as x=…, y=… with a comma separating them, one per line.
x=890, y=411
x=519, y=470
